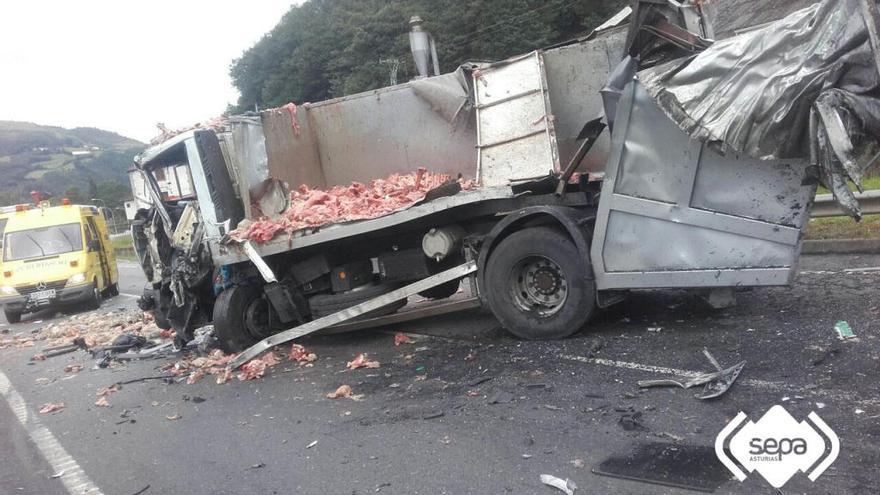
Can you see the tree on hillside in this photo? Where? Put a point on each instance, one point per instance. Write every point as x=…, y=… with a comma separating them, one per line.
x=329, y=48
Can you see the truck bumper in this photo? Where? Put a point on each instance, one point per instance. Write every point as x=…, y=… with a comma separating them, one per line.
x=63, y=297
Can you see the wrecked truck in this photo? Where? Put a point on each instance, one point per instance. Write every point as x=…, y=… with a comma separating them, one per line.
x=683, y=161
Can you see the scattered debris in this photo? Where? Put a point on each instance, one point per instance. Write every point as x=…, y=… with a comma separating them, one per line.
x=51, y=407
x=73, y=368
x=655, y=329
x=432, y=414
x=715, y=384
x=256, y=368
x=500, y=397
x=578, y=463
x=57, y=475
x=105, y=391
x=844, y=331
x=402, y=338
x=361, y=361
x=565, y=485
x=312, y=444
x=38, y=357
x=299, y=354
x=258, y=465
x=859, y=411
x=479, y=380
x=342, y=391
x=102, y=402
x=631, y=421
x=174, y=417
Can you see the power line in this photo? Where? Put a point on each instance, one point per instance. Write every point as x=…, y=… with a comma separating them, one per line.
x=516, y=19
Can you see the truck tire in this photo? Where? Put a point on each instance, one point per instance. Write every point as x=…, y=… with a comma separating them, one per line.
x=12, y=316
x=327, y=304
x=226, y=204
x=231, y=309
x=538, y=284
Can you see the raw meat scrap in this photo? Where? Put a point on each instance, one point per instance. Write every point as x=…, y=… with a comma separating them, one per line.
x=315, y=207
x=361, y=361
x=299, y=354
x=342, y=391
x=51, y=407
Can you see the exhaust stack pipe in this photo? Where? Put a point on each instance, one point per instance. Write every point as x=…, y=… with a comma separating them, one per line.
x=423, y=49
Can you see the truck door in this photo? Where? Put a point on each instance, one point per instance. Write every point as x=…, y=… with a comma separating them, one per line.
x=95, y=240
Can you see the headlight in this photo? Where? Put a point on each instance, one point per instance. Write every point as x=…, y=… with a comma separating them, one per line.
x=76, y=279
x=8, y=290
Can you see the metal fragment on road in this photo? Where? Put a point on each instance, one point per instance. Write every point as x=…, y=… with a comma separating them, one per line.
x=312, y=444
x=564, y=485
x=715, y=384
x=353, y=312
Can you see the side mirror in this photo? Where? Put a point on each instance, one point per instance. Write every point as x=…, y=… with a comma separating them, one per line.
x=94, y=245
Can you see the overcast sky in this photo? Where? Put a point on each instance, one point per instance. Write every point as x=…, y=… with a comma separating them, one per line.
x=125, y=65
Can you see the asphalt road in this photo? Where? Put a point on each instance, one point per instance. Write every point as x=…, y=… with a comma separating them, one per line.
x=425, y=423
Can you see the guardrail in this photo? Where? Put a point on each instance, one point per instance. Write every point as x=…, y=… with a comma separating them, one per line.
x=825, y=206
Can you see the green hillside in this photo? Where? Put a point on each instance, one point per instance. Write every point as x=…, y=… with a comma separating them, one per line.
x=82, y=163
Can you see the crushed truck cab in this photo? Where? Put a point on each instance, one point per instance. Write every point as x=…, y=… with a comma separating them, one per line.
x=55, y=257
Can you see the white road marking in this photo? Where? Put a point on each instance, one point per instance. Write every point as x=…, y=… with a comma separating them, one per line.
x=74, y=478
x=868, y=269
x=125, y=294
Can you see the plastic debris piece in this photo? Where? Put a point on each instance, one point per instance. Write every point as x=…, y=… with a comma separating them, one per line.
x=51, y=407
x=173, y=417
x=361, y=361
x=844, y=331
x=312, y=444
x=102, y=402
x=57, y=475
x=402, y=338
x=578, y=463
x=564, y=485
x=342, y=391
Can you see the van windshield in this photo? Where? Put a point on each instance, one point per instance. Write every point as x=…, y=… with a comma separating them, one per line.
x=44, y=241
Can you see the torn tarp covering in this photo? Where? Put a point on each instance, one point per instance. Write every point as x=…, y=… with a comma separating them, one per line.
x=806, y=86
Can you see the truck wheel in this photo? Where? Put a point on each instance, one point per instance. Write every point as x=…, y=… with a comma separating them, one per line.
x=537, y=284
x=94, y=302
x=12, y=316
x=327, y=304
x=241, y=317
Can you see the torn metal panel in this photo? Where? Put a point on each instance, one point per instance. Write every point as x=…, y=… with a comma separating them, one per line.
x=817, y=71
x=715, y=384
x=516, y=139
x=721, y=220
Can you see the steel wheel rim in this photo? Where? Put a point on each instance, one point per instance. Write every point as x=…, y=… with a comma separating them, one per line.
x=538, y=286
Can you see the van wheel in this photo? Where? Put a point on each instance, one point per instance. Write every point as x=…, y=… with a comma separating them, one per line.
x=539, y=285
x=12, y=316
x=114, y=290
x=94, y=302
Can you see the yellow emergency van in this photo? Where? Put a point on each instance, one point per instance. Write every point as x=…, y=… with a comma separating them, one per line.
x=55, y=256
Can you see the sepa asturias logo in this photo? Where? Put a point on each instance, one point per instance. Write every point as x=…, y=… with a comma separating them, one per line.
x=777, y=446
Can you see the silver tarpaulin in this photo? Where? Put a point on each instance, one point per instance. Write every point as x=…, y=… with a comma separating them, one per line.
x=806, y=86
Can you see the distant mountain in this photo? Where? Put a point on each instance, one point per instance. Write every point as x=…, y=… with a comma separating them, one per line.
x=59, y=160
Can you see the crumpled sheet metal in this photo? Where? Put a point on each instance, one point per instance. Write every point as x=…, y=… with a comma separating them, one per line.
x=806, y=86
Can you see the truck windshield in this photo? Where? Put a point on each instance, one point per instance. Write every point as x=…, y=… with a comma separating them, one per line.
x=44, y=241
